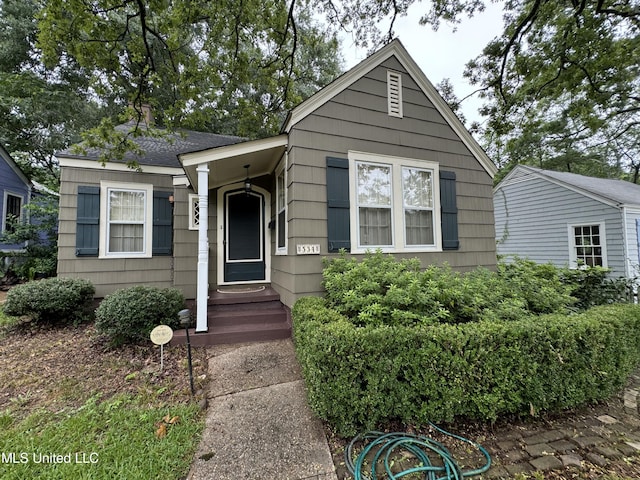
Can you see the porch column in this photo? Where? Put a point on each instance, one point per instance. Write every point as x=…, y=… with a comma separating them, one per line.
x=203, y=248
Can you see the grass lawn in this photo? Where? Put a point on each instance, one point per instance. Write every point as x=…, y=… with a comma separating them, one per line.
x=71, y=407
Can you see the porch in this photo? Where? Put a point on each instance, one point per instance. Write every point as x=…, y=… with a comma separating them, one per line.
x=241, y=313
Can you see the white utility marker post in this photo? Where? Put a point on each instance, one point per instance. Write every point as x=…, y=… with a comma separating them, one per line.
x=203, y=248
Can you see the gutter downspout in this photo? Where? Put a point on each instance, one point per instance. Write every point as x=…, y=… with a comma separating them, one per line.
x=203, y=248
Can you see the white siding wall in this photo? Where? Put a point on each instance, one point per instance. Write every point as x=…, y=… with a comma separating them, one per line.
x=632, y=214
x=532, y=217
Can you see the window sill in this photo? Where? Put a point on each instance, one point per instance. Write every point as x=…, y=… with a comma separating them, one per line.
x=115, y=256
x=416, y=249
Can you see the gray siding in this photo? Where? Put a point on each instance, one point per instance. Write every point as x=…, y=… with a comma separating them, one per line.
x=532, y=217
x=109, y=275
x=357, y=119
x=185, y=245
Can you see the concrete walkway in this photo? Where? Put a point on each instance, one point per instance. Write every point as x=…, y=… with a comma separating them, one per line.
x=258, y=423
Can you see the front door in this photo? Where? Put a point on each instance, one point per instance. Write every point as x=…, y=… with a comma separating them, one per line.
x=244, y=243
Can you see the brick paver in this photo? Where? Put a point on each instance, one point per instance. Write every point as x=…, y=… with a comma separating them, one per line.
x=594, y=437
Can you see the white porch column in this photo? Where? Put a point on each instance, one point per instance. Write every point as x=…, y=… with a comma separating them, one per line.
x=203, y=248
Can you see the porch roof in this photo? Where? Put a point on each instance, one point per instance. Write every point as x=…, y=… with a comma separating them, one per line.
x=226, y=163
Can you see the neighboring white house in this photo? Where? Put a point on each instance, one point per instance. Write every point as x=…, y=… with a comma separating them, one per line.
x=568, y=219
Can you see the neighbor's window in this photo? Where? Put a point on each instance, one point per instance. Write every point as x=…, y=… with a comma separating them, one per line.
x=127, y=210
x=13, y=212
x=588, y=245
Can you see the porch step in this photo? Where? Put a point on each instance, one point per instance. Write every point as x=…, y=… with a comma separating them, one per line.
x=237, y=296
x=241, y=317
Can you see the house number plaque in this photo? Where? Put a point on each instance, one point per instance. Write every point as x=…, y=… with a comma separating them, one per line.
x=308, y=249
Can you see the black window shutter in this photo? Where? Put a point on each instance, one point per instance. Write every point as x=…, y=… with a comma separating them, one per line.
x=162, y=224
x=88, y=221
x=449, y=211
x=338, y=204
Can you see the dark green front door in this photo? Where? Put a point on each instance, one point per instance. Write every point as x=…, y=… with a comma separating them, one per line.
x=244, y=237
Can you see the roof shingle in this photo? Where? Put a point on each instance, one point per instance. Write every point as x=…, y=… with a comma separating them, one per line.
x=161, y=151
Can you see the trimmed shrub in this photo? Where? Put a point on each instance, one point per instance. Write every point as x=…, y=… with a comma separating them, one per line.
x=52, y=300
x=359, y=377
x=379, y=290
x=129, y=315
x=593, y=286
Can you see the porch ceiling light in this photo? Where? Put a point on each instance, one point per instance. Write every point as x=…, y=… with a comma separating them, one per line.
x=247, y=181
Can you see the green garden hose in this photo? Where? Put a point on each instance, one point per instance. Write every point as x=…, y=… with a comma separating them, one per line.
x=384, y=446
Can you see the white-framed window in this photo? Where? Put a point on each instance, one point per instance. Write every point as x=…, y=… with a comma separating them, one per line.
x=194, y=211
x=417, y=198
x=374, y=204
x=394, y=93
x=12, y=211
x=281, y=209
x=587, y=245
x=127, y=210
x=395, y=203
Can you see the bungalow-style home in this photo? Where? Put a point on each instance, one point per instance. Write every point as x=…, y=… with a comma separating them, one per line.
x=15, y=193
x=375, y=160
x=568, y=219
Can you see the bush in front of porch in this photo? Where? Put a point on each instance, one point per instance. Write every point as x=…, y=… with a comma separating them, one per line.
x=128, y=315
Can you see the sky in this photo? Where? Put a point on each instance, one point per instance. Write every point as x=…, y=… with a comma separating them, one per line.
x=444, y=53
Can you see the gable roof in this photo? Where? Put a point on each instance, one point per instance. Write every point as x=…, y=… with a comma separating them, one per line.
x=159, y=151
x=393, y=49
x=14, y=166
x=615, y=192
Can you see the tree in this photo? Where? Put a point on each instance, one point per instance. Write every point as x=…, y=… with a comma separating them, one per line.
x=224, y=66
x=561, y=82
x=562, y=86
x=41, y=109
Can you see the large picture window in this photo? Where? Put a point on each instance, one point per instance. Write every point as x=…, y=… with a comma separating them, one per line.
x=396, y=203
x=127, y=209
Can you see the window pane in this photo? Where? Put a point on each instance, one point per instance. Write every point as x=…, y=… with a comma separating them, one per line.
x=419, y=227
x=417, y=188
x=126, y=206
x=126, y=238
x=281, y=191
x=374, y=184
x=375, y=226
x=281, y=228
x=13, y=213
x=587, y=245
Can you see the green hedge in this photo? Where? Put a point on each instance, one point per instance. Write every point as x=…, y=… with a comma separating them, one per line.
x=128, y=315
x=52, y=300
x=361, y=376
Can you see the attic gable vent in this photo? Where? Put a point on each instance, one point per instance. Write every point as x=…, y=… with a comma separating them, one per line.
x=394, y=93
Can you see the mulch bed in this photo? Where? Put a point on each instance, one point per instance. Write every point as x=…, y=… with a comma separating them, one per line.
x=62, y=367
